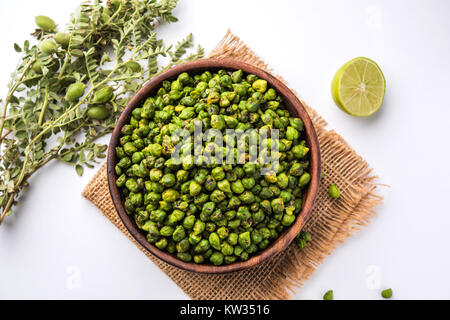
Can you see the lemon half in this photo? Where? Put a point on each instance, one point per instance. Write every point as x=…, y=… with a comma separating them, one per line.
x=359, y=87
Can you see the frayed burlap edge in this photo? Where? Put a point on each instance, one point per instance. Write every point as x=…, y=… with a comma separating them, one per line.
x=332, y=221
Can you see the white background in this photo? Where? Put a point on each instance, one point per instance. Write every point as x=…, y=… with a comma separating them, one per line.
x=58, y=245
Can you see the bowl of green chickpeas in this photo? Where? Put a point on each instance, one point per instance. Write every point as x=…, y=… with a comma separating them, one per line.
x=214, y=166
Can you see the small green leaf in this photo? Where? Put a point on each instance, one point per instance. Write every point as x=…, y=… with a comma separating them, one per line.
x=105, y=58
x=79, y=170
x=10, y=188
x=172, y=19
x=17, y=48
x=77, y=53
x=68, y=157
x=82, y=157
x=39, y=155
x=14, y=99
x=21, y=134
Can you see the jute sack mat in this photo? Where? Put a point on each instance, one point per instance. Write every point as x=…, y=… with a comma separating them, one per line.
x=332, y=221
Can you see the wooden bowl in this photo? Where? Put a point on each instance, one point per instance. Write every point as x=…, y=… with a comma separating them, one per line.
x=294, y=106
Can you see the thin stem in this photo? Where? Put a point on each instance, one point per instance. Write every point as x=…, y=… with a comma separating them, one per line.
x=63, y=68
x=115, y=13
x=25, y=163
x=65, y=123
x=7, y=208
x=44, y=107
x=5, y=135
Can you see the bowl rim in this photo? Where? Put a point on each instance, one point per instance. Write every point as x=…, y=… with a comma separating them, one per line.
x=295, y=107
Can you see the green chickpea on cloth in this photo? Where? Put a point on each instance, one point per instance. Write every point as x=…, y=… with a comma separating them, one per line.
x=202, y=208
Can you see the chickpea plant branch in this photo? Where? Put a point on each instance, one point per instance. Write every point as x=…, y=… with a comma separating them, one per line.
x=70, y=87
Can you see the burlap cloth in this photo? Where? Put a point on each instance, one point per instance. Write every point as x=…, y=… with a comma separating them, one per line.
x=331, y=223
